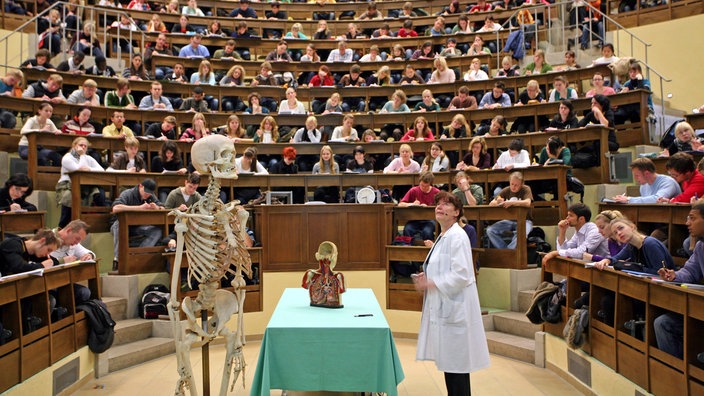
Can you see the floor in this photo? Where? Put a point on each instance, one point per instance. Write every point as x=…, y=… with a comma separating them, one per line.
x=504, y=377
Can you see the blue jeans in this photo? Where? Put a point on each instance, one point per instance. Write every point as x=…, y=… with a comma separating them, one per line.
x=590, y=30
x=151, y=234
x=425, y=228
x=496, y=231
x=669, y=333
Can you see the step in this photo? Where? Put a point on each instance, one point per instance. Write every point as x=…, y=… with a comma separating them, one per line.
x=525, y=298
x=511, y=346
x=131, y=330
x=117, y=306
x=515, y=323
x=128, y=355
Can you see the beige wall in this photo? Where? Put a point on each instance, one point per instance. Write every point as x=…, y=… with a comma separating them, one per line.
x=18, y=48
x=675, y=53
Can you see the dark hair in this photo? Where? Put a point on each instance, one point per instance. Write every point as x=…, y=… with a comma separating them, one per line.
x=198, y=90
x=499, y=84
x=554, y=144
x=581, y=210
x=699, y=208
x=194, y=178
x=169, y=146
x=20, y=180
x=358, y=149
x=603, y=101
x=609, y=45
x=681, y=162
x=444, y=196
x=80, y=109
x=569, y=105
x=516, y=145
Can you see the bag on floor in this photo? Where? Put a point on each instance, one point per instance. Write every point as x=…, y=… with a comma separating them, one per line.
x=154, y=301
x=102, y=327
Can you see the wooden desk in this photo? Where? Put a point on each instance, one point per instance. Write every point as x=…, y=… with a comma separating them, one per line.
x=9, y=139
x=696, y=120
x=26, y=354
x=141, y=260
x=638, y=360
x=17, y=222
x=252, y=68
x=660, y=162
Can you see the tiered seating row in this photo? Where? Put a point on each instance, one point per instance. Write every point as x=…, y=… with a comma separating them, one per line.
x=631, y=355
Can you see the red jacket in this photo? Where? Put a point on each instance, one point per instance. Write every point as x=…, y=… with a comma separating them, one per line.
x=327, y=82
x=695, y=185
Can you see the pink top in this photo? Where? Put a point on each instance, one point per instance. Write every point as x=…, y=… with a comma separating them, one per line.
x=607, y=91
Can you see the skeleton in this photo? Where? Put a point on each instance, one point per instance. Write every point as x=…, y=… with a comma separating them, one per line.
x=213, y=237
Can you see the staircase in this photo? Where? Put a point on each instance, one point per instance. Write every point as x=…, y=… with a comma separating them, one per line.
x=511, y=334
x=136, y=340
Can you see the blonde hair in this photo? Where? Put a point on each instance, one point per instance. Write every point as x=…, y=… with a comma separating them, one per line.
x=131, y=141
x=321, y=163
x=406, y=147
x=683, y=126
x=203, y=65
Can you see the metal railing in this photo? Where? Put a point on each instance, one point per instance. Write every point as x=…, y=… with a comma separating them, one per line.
x=100, y=15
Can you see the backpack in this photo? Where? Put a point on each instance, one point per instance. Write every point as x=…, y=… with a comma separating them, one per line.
x=102, y=327
x=536, y=245
x=669, y=136
x=155, y=298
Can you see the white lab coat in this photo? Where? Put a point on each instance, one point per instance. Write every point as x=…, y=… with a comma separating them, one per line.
x=451, y=329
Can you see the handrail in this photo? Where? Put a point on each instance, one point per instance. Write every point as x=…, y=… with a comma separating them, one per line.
x=62, y=7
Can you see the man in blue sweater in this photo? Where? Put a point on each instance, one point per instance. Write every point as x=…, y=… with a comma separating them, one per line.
x=669, y=327
x=652, y=185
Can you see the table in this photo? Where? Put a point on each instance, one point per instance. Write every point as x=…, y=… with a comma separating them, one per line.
x=308, y=348
x=11, y=222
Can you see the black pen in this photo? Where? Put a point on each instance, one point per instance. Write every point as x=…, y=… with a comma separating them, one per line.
x=363, y=315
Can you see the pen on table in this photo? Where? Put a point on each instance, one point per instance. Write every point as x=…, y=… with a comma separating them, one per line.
x=663, y=265
x=363, y=315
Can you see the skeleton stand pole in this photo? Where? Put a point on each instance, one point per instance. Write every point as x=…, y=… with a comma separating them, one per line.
x=205, y=353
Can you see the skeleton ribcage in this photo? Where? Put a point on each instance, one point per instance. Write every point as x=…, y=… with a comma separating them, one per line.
x=210, y=255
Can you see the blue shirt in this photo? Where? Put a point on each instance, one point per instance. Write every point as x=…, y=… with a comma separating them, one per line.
x=651, y=255
x=489, y=98
x=189, y=52
x=693, y=269
x=663, y=186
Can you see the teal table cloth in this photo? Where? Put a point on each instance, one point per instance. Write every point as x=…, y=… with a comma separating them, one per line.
x=347, y=349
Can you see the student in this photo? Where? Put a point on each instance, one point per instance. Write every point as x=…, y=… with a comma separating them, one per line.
x=182, y=198
x=140, y=197
x=645, y=250
x=164, y=130
x=41, y=122
x=653, y=186
x=18, y=255
x=421, y=195
x=75, y=160
x=669, y=327
x=326, y=165
x=13, y=194
x=117, y=128
x=516, y=194
x=586, y=238
x=131, y=160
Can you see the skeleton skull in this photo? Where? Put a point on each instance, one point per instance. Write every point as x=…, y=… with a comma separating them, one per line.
x=214, y=154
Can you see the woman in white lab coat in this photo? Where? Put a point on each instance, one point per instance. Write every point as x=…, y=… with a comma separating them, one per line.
x=451, y=329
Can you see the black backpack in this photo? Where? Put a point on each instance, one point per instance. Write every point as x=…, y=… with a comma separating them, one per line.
x=102, y=327
x=154, y=301
x=669, y=136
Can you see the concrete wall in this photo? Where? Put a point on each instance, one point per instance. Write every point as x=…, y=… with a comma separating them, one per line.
x=675, y=53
